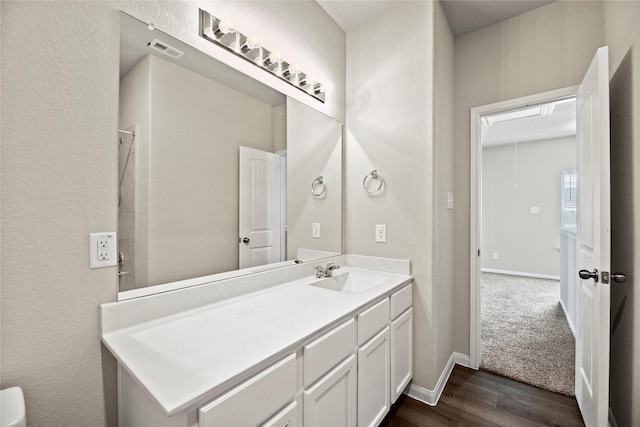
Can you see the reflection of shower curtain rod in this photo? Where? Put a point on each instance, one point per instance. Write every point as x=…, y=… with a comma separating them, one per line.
x=127, y=132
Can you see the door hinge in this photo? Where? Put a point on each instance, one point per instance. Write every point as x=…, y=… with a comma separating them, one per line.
x=478, y=252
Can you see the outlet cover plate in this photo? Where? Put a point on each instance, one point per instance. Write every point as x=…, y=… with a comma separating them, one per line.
x=103, y=250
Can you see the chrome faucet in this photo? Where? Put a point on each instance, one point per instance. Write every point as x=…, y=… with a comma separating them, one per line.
x=326, y=271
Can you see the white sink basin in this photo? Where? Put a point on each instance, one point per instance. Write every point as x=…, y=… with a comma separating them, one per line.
x=351, y=280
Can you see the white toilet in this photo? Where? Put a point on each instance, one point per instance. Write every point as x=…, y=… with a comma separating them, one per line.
x=12, y=410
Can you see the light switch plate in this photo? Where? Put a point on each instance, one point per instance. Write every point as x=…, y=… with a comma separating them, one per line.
x=450, y=200
x=535, y=210
x=103, y=250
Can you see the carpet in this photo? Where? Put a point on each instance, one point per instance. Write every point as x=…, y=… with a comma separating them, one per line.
x=525, y=335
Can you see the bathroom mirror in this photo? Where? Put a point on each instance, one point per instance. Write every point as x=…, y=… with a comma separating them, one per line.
x=190, y=204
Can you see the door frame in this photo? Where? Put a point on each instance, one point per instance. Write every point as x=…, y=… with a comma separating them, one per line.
x=476, y=200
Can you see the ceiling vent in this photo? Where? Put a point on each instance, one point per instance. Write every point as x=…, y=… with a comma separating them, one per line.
x=165, y=48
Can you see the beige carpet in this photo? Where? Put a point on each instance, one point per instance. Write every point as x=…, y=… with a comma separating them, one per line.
x=525, y=335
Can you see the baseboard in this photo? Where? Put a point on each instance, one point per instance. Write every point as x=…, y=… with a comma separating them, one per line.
x=612, y=420
x=569, y=322
x=431, y=397
x=520, y=273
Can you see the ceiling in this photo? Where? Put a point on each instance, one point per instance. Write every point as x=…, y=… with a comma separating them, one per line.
x=464, y=16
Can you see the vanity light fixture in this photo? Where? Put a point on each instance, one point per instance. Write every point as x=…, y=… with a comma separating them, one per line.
x=224, y=34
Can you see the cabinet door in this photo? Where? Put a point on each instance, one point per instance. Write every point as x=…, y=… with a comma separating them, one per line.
x=288, y=417
x=401, y=353
x=331, y=402
x=373, y=380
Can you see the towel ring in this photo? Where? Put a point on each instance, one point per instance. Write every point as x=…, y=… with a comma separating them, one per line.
x=318, y=187
x=373, y=175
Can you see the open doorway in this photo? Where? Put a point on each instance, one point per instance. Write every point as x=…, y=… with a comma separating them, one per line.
x=525, y=168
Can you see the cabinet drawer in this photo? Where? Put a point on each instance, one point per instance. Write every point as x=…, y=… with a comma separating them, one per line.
x=327, y=351
x=400, y=301
x=288, y=417
x=372, y=320
x=254, y=401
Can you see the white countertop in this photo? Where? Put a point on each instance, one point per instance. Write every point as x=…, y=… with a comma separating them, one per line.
x=186, y=357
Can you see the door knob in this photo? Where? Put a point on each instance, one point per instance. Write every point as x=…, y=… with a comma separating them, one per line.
x=618, y=277
x=245, y=240
x=586, y=274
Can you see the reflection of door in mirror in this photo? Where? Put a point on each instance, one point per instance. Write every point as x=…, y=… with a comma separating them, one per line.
x=260, y=208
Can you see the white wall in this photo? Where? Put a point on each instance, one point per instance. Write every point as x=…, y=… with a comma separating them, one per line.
x=314, y=149
x=524, y=242
x=622, y=34
x=444, y=182
x=545, y=49
x=59, y=83
x=389, y=127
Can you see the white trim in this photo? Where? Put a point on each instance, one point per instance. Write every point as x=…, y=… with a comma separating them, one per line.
x=520, y=273
x=476, y=187
x=566, y=315
x=612, y=420
x=431, y=397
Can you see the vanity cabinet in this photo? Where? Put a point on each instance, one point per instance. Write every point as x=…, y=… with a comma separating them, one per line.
x=373, y=364
x=373, y=380
x=329, y=370
x=343, y=364
x=401, y=341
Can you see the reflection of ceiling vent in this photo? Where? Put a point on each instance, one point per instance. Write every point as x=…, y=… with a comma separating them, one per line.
x=165, y=48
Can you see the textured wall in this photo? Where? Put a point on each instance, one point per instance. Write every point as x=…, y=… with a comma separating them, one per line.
x=622, y=34
x=59, y=182
x=545, y=49
x=389, y=128
x=525, y=242
x=444, y=180
x=59, y=179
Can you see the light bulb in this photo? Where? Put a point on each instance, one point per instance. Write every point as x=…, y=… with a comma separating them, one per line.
x=249, y=44
x=272, y=59
x=221, y=28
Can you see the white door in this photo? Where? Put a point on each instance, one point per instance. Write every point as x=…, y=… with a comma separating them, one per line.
x=259, y=210
x=593, y=246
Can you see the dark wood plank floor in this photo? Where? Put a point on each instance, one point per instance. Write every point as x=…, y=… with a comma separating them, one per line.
x=479, y=398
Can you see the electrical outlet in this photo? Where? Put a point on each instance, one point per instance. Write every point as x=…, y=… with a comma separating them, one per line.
x=449, y=200
x=381, y=233
x=102, y=250
x=494, y=255
x=315, y=230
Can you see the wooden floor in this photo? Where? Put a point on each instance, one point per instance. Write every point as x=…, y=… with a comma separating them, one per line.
x=478, y=398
